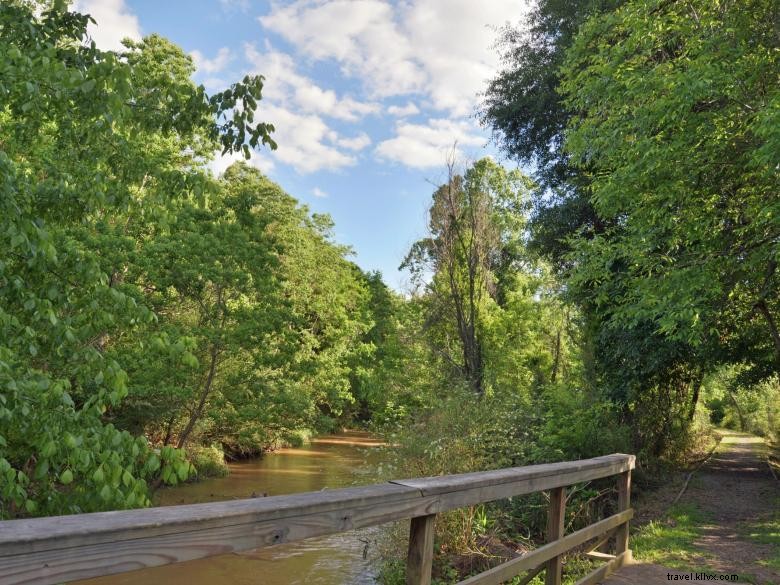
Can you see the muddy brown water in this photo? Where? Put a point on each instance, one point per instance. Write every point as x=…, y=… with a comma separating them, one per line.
x=330, y=462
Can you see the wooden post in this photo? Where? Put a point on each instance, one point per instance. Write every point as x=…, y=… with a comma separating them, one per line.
x=420, y=557
x=624, y=503
x=555, y=526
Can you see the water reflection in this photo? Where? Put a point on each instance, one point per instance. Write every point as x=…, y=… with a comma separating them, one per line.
x=330, y=462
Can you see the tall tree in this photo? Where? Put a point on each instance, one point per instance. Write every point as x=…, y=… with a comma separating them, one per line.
x=678, y=132
x=85, y=133
x=522, y=104
x=475, y=225
x=632, y=362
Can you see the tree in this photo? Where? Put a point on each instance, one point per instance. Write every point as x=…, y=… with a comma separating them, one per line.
x=475, y=226
x=522, y=104
x=209, y=276
x=85, y=134
x=678, y=134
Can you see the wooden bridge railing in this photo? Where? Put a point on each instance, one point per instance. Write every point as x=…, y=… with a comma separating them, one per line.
x=64, y=548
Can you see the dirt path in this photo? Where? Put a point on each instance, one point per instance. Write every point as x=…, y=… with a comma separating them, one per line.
x=740, y=500
x=736, y=490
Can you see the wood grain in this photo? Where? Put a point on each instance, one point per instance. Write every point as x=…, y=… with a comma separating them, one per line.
x=598, y=575
x=624, y=503
x=419, y=561
x=63, y=548
x=555, y=526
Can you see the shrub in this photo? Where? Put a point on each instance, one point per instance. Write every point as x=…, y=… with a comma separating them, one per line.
x=208, y=461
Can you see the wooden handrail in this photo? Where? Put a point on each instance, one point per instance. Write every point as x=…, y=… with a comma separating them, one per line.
x=64, y=548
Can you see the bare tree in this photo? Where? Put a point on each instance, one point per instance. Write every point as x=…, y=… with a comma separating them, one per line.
x=463, y=243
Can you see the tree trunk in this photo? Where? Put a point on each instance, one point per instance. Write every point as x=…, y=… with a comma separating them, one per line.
x=696, y=390
x=202, y=401
x=169, y=430
x=556, y=358
x=742, y=424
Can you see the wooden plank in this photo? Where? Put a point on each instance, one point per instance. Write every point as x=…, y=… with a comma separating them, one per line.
x=419, y=561
x=556, y=515
x=51, y=550
x=574, y=471
x=38, y=534
x=17, y=536
x=624, y=503
x=533, y=559
x=598, y=575
x=601, y=541
x=599, y=556
x=471, y=496
x=529, y=576
x=110, y=557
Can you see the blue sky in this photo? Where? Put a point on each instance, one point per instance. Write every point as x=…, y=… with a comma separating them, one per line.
x=367, y=96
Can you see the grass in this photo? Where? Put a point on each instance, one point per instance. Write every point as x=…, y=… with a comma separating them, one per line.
x=669, y=541
x=766, y=532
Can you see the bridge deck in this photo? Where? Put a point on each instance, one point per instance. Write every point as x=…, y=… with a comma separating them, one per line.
x=649, y=574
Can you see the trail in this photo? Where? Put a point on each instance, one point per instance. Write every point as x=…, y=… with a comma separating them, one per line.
x=736, y=492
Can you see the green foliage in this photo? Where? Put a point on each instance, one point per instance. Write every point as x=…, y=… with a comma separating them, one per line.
x=651, y=127
x=678, y=134
x=522, y=104
x=578, y=424
x=208, y=461
x=86, y=135
x=471, y=254
x=260, y=320
x=748, y=408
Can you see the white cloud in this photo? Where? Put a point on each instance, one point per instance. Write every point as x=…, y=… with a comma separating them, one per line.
x=220, y=163
x=296, y=106
x=361, y=36
x=438, y=48
x=211, y=66
x=317, y=192
x=402, y=111
x=426, y=145
x=284, y=84
x=215, y=83
x=358, y=142
x=114, y=20
x=305, y=142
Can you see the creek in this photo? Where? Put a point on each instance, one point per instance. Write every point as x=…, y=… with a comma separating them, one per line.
x=328, y=462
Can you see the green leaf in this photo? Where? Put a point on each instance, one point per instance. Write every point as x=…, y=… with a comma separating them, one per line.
x=66, y=477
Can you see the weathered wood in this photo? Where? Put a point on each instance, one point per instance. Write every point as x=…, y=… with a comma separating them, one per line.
x=577, y=471
x=203, y=535
x=38, y=534
x=530, y=575
x=63, y=548
x=474, y=488
x=599, y=544
x=555, y=525
x=420, y=558
x=599, y=556
x=624, y=503
x=598, y=575
x=539, y=556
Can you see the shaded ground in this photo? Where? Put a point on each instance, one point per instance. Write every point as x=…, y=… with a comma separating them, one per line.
x=727, y=522
x=647, y=574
